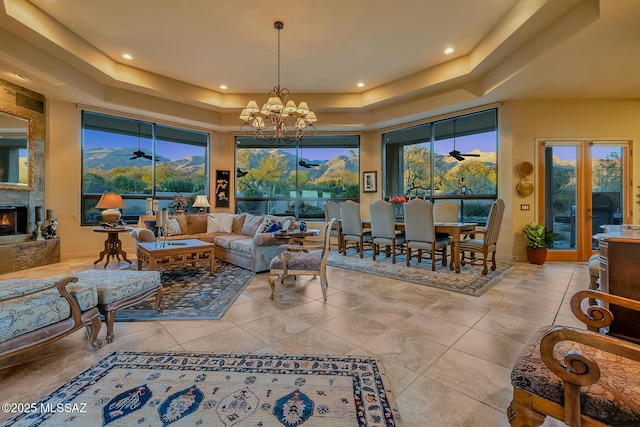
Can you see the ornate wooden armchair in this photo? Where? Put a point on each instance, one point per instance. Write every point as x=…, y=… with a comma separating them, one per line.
x=582, y=377
x=300, y=259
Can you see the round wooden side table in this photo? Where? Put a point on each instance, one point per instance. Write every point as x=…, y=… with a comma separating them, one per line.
x=113, y=245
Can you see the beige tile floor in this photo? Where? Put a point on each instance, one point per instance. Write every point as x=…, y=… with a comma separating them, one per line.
x=448, y=356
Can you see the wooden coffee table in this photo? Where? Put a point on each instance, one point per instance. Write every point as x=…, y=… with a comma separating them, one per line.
x=175, y=252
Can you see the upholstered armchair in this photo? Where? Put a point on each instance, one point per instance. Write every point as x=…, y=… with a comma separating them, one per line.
x=581, y=377
x=299, y=259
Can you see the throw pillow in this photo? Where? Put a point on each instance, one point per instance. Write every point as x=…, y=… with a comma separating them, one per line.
x=226, y=225
x=265, y=224
x=213, y=223
x=238, y=223
x=272, y=228
x=251, y=224
x=220, y=222
x=197, y=223
x=173, y=227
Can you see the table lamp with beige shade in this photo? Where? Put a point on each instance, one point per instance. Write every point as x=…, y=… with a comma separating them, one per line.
x=110, y=202
x=201, y=203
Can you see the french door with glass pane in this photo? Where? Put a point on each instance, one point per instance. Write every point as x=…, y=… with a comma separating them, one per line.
x=583, y=186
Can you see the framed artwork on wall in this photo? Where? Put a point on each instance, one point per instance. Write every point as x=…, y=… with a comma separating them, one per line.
x=369, y=182
x=222, y=189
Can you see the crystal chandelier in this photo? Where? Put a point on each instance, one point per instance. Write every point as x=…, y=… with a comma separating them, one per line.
x=279, y=119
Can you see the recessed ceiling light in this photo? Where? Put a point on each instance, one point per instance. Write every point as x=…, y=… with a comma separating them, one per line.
x=223, y=87
x=127, y=56
x=448, y=51
x=360, y=84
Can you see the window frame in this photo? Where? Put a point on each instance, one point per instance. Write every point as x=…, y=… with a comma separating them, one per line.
x=158, y=133
x=393, y=147
x=296, y=205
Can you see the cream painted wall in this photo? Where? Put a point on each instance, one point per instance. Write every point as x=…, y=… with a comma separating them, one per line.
x=520, y=123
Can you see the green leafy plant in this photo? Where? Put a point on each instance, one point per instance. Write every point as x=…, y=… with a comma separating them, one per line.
x=538, y=235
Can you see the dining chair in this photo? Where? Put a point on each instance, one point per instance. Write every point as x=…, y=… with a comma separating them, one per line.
x=300, y=259
x=352, y=230
x=420, y=232
x=487, y=244
x=445, y=211
x=383, y=229
x=332, y=210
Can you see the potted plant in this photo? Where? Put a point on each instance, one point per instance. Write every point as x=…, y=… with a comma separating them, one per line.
x=540, y=238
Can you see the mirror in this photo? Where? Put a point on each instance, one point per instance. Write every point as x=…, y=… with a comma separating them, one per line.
x=16, y=152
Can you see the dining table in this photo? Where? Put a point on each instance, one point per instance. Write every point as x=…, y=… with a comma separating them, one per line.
x=453, y=229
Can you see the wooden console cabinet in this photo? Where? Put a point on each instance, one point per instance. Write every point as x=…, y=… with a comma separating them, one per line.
x=620, y=275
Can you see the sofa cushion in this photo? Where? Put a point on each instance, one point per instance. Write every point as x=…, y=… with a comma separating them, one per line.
x=173, y=227
x=244, y=246
x=251, y=224
x=196, y=224
x=224, y=240
x=238, y=223
x=114, y=285
x=31, y=312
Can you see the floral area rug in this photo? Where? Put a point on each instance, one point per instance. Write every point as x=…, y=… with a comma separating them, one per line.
x=191, y=293
x=469, y=281
x=200, y=389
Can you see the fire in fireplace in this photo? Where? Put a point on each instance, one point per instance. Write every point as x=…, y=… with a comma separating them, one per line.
x=14, y=220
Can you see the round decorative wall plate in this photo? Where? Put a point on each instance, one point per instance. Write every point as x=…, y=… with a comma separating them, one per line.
x=525, y=168
x=525, y=188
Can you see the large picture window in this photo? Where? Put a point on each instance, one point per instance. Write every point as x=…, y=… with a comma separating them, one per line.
x=453, y=159
x=285, y=179
x=140, y=160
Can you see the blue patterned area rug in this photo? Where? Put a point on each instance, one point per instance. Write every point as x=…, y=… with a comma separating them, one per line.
x=200, y=389
x=191, y=293
x=469, y=281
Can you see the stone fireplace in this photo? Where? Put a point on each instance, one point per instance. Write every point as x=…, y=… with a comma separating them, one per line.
x=18, y=248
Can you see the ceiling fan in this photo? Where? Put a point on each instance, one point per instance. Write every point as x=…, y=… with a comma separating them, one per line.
x=240, y=173
x=139, y=153
x=455, y=153
x=304, y=164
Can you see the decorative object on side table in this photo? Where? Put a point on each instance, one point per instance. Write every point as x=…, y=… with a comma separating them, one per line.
x=201, y=203
x=398, y=209
x=540, y=238
x=110, y=202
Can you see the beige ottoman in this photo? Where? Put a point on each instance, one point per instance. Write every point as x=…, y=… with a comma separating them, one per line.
x=118, y=289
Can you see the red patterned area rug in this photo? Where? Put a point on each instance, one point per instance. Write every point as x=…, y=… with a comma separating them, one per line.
x=201, y=389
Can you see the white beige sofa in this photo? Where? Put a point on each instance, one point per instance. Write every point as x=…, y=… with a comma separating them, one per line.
x=243, y=243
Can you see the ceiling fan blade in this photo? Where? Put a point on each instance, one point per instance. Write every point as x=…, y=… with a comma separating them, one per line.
x=146, y=156
x=470, y=155
x=304, y=164
x=240, y=173
x=133, y=158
